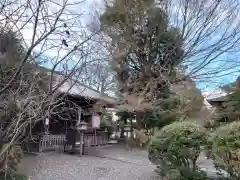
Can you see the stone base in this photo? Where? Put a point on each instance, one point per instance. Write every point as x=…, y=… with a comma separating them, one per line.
x=112, y=142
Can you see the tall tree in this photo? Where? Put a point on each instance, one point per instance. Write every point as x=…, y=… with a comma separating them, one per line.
x=99, y=77
x=146, y=48
x=190, y=97
x=209, y=33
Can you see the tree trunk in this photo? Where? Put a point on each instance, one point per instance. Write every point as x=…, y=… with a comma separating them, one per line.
x=138, y=120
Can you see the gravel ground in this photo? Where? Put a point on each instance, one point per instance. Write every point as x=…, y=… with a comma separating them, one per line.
x=107, y=163
x=55, y=166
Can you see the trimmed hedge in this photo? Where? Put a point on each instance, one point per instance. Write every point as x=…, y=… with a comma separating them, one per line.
x=177, y=147
x=225, y=150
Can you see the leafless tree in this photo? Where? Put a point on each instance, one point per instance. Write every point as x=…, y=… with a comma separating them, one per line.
x=98, y=76
x=209, y=34
x=34, y=33
x=191, y=99
x=210, y=30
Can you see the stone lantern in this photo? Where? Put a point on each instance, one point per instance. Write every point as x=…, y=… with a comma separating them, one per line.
x=127, y=129
x=82, y=127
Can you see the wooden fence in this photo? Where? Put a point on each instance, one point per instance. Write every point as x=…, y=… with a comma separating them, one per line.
x=99, y=139
x=52, y=142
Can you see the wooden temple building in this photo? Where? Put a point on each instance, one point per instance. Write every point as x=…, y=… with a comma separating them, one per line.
x=224, y=101
x=78, y=103
x=227, y=105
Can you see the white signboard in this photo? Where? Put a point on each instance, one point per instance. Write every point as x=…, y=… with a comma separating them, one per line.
x=96, y=121
x=47, y=121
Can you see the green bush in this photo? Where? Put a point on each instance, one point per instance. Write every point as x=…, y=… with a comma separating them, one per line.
x=189, y=175
x=225, y=150
x=177, y=148
x=106, y=119
x=208, y=146
x=13, y=176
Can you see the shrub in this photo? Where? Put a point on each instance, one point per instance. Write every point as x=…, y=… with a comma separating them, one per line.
x=177, y=147
x=13, y=176
x=189, y=175
x=10, y=159
x=209, y=144
x=106, y=119
x=225, y=150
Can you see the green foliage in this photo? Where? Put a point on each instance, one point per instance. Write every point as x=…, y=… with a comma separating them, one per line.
x=228, y=107
x=124, y=116
x=189, y=175
x=13, y=176
x=106, y=122
x=106, y=119
x=161, y=114
x=225, y=150
x=177, y=147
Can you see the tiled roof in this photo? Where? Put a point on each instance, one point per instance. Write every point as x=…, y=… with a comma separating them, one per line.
x=74, y=87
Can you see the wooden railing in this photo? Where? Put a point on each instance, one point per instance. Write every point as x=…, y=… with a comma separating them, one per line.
x=99, y=139
x=51, y=142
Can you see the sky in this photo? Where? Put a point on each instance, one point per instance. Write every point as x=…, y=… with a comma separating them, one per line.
x=78, y=18
x=88, y=9
x=220, y=27
x=227, y=64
